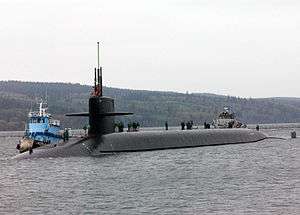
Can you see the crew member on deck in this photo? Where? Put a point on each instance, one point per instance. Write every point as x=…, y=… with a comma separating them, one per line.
x=182, y=125
x=166, y=125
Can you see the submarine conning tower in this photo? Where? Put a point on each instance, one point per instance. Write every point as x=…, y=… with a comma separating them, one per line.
x=99, y=122
x=101, y=109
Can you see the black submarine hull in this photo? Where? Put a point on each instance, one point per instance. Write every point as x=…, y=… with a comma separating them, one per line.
x=147, y=141
x=158, y=140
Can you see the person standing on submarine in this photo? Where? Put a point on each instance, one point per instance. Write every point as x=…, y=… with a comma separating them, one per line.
x=166, y=125
x=182, y=125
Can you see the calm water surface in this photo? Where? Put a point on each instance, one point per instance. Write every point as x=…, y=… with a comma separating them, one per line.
x=256, y=178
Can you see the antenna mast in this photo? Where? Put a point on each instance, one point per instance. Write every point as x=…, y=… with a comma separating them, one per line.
x=99, y=71
x=98, y=76
x=98, y=57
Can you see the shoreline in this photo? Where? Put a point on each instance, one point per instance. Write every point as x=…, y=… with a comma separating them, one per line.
x=81, y=131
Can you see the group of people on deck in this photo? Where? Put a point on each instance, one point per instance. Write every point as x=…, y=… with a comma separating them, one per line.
x=188, y=125
x=132, y=126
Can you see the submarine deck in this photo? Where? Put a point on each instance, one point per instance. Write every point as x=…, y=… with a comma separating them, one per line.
x=145, y=141
x=158, y=140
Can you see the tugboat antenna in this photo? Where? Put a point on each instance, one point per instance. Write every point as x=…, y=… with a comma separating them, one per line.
x=46, y=93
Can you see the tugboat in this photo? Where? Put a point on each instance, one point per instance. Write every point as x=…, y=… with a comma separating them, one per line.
x=226, y=119
x=40, y=130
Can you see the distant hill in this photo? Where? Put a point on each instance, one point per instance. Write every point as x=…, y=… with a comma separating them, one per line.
x=151, y=108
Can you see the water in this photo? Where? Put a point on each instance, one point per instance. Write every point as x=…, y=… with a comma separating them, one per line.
x=256, y=178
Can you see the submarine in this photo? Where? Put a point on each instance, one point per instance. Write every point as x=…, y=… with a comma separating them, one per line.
x=102, y=138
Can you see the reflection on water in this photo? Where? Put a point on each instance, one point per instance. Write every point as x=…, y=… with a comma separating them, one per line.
x=256, y=178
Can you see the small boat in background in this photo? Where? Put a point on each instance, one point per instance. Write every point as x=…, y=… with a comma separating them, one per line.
x=40, y=130
x=226, y=119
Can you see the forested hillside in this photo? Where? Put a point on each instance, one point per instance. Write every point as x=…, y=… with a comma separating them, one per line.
x=151, y=108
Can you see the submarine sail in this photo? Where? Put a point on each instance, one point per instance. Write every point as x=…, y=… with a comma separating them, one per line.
x=101, y=109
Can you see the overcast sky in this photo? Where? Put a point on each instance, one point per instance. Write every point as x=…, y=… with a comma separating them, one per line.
x=247, y=48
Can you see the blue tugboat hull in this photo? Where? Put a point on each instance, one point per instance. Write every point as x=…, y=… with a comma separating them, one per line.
x=40, y=130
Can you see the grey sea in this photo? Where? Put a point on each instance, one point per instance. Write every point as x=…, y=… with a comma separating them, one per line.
x=254, y=178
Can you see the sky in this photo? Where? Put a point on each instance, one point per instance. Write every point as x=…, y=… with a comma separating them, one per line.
x=245, y=48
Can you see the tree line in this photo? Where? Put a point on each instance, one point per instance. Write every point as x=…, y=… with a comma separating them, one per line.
x=151, y=108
